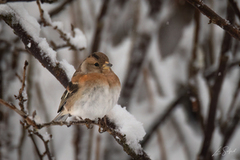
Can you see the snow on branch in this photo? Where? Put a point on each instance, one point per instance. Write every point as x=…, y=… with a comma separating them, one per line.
x=124, y=128
x=215, y=18
x=27, y=29
x=75, y=40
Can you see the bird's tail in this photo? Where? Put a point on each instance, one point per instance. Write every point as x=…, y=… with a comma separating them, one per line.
x=61, y=117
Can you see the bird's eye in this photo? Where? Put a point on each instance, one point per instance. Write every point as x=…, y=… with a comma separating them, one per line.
x=96, y=64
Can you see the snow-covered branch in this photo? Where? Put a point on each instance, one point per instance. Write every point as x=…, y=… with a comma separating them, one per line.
x=129, y=143
x=122, y=125
x=35, y=49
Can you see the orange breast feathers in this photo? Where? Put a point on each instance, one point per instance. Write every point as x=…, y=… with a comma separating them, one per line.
x=89, y=79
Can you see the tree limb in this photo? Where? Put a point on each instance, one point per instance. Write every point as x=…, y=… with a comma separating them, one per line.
x=110, y=128
x=42, y=1
x=215, y=91
x=40, y=55
x=215, y=18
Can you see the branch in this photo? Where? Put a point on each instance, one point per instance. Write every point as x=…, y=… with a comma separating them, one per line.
x=35, y=50
x=215, y=92
x=59, y=8
x=42, y=1
x=235, y=7
x=20, y=95
x=162, y=118
x=138, y=54
x=99, y=26
x=110, y=128
x=215, y=18
x=63, y=35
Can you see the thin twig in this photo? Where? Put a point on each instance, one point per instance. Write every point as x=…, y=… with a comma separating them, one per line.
x=231, y=129
x=39, y=54
x=110, y=128
x=59, y=8
x=61, y=32
x=162, y=118
x=98, y=144
x=20, y=94
x=215, y=92
x=161, y=145
x=235, y=8
x=182, y=137
x=99, y=27
x=90, y=144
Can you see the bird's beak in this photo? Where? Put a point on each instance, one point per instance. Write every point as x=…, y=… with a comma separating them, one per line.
x=107, y=65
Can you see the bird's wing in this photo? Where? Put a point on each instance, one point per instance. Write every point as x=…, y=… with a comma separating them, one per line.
x=71, y=89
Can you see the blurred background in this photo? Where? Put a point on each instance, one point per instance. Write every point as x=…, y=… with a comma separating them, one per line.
x=167, y=57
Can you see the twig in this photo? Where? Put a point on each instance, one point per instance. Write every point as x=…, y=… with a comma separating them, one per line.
x=230, y=129
x=110, y=128
x=162, y=118
x=98, y=144
x=208, y=75
x=77, y=141
x=21, y=141
x=161, y=145
x=215, y=92
x=192, y=67
x=181, y=136
x=99, y=27
x=60, y=8
x=235, y=7
x=148, y=89
x=235, y=95
x=40, y=55
x=90, y=144
x=154, y=73
x=138, y=54
x=20, y=94
x=61, y=32
x=215, y=18
x=45, y=142
x=35, y=145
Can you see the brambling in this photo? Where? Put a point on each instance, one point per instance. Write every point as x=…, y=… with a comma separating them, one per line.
x=92, y=92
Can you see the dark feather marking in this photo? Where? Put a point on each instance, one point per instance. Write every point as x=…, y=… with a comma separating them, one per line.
x=72, y=88
x=96, y=56
x=61, y=108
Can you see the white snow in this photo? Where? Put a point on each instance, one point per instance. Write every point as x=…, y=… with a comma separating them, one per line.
x=127, y=125
x=28, y=22
x=48, y=50
x=30, y=25
x=69, y=69
x=58, y=24
x=79, y=40
x=29, y=45
x=47, y=136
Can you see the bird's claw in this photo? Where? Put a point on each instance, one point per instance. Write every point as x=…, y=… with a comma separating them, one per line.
x=89, y=123
x=102, y=125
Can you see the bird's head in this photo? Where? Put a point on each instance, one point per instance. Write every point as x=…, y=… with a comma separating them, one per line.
x=96, y=63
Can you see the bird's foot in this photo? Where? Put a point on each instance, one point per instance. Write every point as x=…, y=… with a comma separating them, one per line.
x=102, y=122
x=89, y=123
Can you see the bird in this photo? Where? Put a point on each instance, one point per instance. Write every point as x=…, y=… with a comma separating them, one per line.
x=93, y=91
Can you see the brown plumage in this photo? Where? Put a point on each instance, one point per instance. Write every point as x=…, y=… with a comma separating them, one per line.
x=93, y=91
